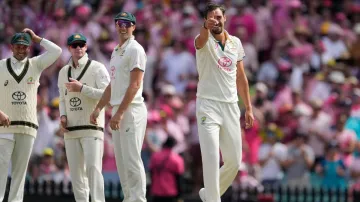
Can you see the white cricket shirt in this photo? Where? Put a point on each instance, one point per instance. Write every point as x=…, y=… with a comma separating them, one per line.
x=124, y=59
x=78, y=106
x=217, y=69
x=19, y=82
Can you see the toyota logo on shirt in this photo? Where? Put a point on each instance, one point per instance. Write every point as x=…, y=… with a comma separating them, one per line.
x=19, y=95
x=19, y=98
x=75, y=103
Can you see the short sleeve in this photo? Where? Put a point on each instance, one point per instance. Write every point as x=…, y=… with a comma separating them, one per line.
x=241, y=51
x=206, y=44
x=137, y=59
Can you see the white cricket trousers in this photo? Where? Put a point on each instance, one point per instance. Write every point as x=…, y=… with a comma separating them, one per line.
x=218, y=127
x=85, y=164
x=128, y=142
x=19, y=152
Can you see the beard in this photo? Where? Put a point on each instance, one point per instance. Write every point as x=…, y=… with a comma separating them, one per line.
x=217, y=29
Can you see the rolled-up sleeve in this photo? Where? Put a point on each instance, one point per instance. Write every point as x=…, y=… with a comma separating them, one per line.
x=52, y=53
x=102, y=80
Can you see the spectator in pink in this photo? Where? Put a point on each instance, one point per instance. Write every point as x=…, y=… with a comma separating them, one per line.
x=166, y=167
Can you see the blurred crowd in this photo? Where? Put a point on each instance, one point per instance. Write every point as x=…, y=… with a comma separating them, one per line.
x=302, y=61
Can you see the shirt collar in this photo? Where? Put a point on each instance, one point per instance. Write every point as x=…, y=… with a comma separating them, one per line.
x=227, y=37
x=82, y=61
x=15, y=61
x=126, y=43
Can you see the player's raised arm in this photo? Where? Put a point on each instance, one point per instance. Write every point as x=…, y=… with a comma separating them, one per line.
x=52, y=53
x=209, y=23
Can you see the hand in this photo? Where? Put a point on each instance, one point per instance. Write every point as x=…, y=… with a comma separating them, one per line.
x=211, y=22
x=319, y=169
x=249, y=119
x=74, y=85
x=34, y=37
x=340, y=171
x=63, y=123
x=4, y=119
x=94, y=115
x=115, y=121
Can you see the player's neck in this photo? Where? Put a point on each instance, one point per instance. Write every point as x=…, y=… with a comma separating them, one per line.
x=75, y=62
x=123, y=40
x=220, y=37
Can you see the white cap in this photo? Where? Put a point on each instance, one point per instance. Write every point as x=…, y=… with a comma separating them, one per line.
x=261, y=87
x=357, y=28
x=168, y=89
x=337, y=77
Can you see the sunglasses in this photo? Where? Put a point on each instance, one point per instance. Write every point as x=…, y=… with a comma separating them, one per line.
x=75, y=45
x=124, y=23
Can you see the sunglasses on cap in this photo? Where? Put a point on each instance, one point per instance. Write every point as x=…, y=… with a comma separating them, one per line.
x=124, y=23
x=75, y=45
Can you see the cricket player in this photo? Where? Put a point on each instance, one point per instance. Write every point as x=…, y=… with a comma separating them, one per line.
x=81, y=84
x=19, y=80
x=221, y=78
x=129, y=115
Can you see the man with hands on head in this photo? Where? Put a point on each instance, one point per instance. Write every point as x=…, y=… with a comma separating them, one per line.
x=129, y=113
x=81, y=84
x=19, y=80
x=219, y=58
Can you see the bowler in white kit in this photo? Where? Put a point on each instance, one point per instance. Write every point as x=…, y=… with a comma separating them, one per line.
x=129, y=113
x=19, y=82
x=81, y=84
x=221, y=78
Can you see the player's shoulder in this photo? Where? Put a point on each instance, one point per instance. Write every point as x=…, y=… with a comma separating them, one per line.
x=64, y=70
x=136, y=46
x=235, y=39
x=97, y=64
x=3, y=61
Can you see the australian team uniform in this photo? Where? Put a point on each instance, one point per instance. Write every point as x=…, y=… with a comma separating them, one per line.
x=129, y=139
x=84, y=142
x=19, y=82
x=218, y=114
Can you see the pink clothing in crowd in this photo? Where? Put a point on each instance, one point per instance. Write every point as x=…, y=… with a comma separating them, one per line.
x=253, y=141
x=165, y=166
x=109, y=163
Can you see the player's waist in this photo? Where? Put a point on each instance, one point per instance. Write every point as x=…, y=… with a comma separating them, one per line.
x=85, y=127
x=23, y=123
x=217, y=98
x=137, y=100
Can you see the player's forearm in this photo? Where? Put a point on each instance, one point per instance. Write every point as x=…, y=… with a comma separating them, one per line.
x=202, y=39
x=244, y=92
x=105, y=99
x=128, y=98
x=52, y=53
x=62, y=108
x=93, y=93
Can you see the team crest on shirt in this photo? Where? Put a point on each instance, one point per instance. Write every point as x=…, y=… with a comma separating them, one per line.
x=6, y=83
x=203, y=119
x=224, y=63
x=30, y=80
